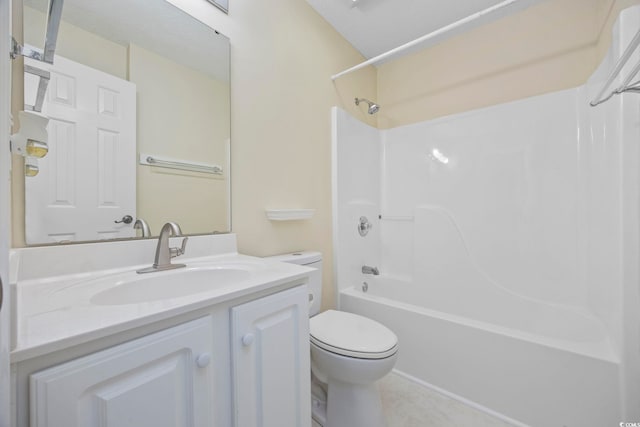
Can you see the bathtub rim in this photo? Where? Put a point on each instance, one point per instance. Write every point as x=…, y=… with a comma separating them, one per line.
x=600, y=350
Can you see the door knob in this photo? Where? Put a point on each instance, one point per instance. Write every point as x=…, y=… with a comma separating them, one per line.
x=127, y=219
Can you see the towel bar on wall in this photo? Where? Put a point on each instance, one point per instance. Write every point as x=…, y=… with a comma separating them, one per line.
x=149, y=160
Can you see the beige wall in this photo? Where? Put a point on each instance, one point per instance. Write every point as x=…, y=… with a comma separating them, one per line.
x=282, y=56
x=183, y=115
x=551, y=46
x=78, y=45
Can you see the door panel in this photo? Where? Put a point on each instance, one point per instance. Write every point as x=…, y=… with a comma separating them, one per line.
x=271, y=373
x=88, y=178
x=155, y=381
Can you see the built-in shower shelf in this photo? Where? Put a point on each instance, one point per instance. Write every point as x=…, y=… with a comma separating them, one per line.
x=289, y=214
x=396, y=217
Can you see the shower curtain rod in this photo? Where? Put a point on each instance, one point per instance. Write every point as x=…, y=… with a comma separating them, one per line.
x=54, y=16
x=626, y=85
x=426, y=37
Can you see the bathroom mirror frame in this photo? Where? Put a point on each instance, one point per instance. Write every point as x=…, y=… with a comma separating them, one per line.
x=167, y=172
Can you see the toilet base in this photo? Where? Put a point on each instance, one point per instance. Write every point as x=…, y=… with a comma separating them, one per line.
x=353, y=405
x=318, y=401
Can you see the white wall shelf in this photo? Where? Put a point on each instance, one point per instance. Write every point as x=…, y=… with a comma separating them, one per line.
x=289, y=214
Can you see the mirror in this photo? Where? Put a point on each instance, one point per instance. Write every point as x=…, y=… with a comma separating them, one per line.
x=139, y=123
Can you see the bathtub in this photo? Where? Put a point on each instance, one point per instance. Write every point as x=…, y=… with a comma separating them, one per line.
x=506, y=361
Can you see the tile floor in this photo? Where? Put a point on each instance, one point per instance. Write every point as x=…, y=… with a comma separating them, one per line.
x=407, y=404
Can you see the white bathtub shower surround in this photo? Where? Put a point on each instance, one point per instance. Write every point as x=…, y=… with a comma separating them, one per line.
x=509, y=237
x=356, y=190
x=504, y=203
x=507, y=373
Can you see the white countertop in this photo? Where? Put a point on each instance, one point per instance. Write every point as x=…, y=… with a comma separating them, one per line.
x=56, y=312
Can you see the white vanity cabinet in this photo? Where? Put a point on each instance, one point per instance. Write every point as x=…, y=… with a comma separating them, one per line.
x=270, y=358
x=223, y=342
x=162, y=379
x=241, y=363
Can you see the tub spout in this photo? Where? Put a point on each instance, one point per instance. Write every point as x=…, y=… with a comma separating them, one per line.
x=370, y=270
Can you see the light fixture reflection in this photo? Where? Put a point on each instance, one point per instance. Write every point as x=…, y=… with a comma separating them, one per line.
x=31, y=168
x=437, y=154
x=31, y=138
x=37, y=149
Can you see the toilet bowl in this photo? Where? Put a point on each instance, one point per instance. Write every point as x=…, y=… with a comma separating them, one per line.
x=349, y=353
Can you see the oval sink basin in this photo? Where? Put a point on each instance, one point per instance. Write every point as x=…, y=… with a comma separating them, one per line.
x=167, y=285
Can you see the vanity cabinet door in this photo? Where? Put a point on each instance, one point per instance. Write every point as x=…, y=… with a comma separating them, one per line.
x=161, y=380
x=270, y=349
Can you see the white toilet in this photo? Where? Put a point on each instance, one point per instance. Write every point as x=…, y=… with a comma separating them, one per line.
x=349, y=353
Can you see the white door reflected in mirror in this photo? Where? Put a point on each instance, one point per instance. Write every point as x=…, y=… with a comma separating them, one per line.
x=88, y=180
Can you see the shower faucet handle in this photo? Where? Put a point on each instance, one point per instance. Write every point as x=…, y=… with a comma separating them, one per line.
x=370, y=270
x=364, y=226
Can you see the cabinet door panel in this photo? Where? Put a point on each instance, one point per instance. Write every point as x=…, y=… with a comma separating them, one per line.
x=133, y=399
x=270, y=344
x=153, y=381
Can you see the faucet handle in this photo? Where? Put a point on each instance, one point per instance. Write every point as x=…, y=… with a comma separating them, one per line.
x=174, y=252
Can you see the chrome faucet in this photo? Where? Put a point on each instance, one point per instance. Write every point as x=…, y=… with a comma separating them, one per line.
x=163, y=252
x=370, y=270
x=142, y=225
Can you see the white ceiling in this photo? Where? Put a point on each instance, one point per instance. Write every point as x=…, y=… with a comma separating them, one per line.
x=376, y=26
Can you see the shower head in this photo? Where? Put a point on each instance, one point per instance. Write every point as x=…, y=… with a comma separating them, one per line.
x=373, y=107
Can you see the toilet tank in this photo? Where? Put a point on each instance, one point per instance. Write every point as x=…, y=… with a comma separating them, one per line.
x=312, y=260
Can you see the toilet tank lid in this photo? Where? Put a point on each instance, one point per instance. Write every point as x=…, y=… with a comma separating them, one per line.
x=301, y=258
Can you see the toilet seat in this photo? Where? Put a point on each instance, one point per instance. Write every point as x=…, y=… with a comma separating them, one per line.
x=351, y=335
